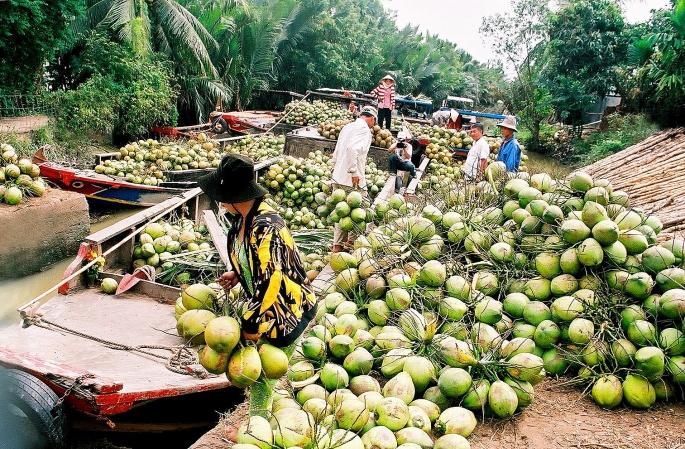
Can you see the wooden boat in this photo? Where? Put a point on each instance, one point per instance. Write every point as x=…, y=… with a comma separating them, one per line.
x=239, y=123
x=305, y=140
x=108, y=189
x=84, y=345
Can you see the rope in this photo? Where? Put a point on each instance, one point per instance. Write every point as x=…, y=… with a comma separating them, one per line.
x=182, y=360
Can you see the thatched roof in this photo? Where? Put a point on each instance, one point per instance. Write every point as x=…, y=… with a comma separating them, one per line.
x=652, y=172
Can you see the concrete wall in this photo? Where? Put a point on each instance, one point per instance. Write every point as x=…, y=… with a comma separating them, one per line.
x=41, y=231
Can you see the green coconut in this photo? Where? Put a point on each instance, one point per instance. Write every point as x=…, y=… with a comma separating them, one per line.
x=639, y=285
x=634, y=241
x=569, y=263
x=581, y=331
x=623, y=352
x=657, y=258
x=593, y=213
x=359, y=361
x=514, y=304
x=638, y=392
x=672, y=341
x=502, y=399
x=546, y=334
x=670, y=278
x=456, y=421
x=421, y=371
x=536, y=312
x=676, y=366
x=538, y=289
x=650, y=362
x=672, y=304
x=392, y=413
x=641, y=333
x=590, y=253
x=334, y=376
x=244, y=367
x=574, y=231
x=547, y=264
x=607, y=391
x=580, y=181
x=554, y=362
x=564, y=284
x=616, y=253
x=566, y=308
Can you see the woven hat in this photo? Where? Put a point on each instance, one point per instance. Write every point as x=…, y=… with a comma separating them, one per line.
x=388, y=77
x=454, y=115
x=233, y=181
x=508, y=122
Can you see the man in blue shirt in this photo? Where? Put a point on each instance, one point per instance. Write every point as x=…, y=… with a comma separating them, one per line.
x=510, y=150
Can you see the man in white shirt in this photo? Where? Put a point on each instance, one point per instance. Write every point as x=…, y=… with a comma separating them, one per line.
x=477, y=158
x=349, y=160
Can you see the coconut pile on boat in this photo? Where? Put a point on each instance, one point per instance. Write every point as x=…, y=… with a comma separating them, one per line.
x=145, y=161
x=304, y=113
x=299, y=188
x=19, y=177
x=260, y=147
x=180, y=251
x=456, y=308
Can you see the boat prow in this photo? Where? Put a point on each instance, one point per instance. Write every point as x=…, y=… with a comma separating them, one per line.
x=104, y=188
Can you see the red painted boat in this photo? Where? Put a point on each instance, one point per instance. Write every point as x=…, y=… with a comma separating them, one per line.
x=84, y=346
x=105, y=188
x=239, y=122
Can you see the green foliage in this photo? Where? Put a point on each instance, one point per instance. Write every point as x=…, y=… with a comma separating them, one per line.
x=657, y=60
x=124, y=93
x=31, y=31
x=621, y=132
x=585, y=44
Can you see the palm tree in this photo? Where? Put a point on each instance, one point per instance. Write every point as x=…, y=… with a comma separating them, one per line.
x=166, y=27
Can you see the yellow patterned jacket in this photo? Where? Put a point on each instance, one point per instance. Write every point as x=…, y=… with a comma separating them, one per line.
x=281, y=301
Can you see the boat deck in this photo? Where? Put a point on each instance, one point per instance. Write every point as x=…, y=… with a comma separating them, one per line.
x=119, y=378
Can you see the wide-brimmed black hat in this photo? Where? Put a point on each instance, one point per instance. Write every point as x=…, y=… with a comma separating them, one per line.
x=233, y=181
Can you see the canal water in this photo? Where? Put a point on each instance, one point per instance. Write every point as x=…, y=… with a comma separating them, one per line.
x=16, y=292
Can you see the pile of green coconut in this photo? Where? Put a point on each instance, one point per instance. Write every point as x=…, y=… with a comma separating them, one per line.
x=454, y=308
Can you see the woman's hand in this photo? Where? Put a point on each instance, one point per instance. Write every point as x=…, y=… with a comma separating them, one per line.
x=228, y=280
x=251, y=337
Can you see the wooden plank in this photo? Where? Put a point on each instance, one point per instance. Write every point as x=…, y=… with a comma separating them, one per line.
x=217, y=235
x=386, y=192
x=141, y=217
x=420, y=171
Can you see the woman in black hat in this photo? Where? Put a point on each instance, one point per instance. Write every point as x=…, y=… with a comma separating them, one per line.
x=265, y=261
x=263, y=256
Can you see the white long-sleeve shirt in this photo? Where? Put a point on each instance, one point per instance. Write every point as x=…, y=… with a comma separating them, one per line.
x=351, y=151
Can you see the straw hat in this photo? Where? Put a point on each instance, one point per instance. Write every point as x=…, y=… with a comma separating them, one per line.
x=454, y=115
x=508, y=122
x=388, y=77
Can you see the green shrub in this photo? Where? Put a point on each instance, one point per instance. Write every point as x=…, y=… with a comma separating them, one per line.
x=123, y=94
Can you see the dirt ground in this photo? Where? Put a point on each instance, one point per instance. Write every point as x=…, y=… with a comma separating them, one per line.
x=558, y=418
x=561, y=418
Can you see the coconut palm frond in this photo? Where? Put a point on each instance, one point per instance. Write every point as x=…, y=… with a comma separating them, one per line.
x=639, y=52
x=184, y=32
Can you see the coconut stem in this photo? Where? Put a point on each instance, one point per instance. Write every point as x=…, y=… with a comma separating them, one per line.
x=262, y=391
